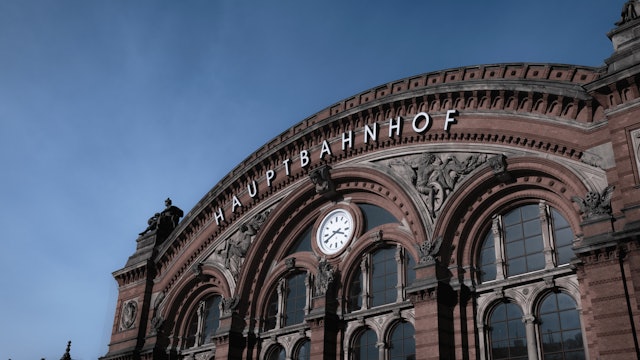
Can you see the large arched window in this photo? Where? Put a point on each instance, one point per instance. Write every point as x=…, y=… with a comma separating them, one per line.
x=204, y=322
x=529, y=238
x=287, y=305
x=364, y=347
x=507, y=334
x=402, y=343
x=560, y=329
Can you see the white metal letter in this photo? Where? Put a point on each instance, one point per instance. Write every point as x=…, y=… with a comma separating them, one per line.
x=370, y=133
x=397, y=126
x=304, y=158
x=416, y=120
x=286, y=166
x=346, y=140
x=252, y=189
x=219, y=216
x=235, y=202
x=270, y=175
x=450, y=119
x=326, y=149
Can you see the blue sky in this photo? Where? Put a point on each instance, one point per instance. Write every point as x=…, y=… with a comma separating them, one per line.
x=109, y=107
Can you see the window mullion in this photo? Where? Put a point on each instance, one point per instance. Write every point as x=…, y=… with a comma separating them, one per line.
x=496, y=228
x=366, y=290
x=401, y=277
x=281, y=303
x=546, y=235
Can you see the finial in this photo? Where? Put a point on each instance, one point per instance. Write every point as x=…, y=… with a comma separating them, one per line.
x=67, y=355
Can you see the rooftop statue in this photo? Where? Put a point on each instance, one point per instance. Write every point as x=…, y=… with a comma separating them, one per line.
x=628, y=12
x=164, y=222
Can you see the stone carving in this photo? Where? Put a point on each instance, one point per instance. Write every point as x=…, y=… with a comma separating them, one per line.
x=164, y=222
x=435, y=178
x=229, y=305
x=628, y=12
x=324, y=278
x=129, y=312
x=428, y=250
x=157, y=320
x=290, y=263
x=321, y=178
x=499, y=165
x=237, y=246
x=595, y=204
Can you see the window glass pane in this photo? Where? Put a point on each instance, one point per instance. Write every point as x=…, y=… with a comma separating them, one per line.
x=302, y=243
x=531, y=211
x=272, y=312
x=563, y=238
x=532, y=227
x=295, y=300
x=375, y=216
x=533, y=244
x=402, y=345
x=355, y=292
x=212, y=318
x=190, y=340
x=365, y=346
x=304, y=351
x=515, y=249
x=511, y=218
x=487, y=259
x=535, y=261
x=507, y=333
x=560, y=329
x=516, y=266
x=384, y=277
x=513, y=233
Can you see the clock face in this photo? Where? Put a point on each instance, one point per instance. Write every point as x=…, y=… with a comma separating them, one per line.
x=335, y=231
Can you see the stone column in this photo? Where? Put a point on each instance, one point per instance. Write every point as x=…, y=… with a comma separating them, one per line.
x=530, y=328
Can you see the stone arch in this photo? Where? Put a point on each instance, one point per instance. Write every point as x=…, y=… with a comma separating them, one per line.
x=466, y=215
x=356, y=182
x=184, y=299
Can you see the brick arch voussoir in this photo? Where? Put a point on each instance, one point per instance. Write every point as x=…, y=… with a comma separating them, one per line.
x=467, y=212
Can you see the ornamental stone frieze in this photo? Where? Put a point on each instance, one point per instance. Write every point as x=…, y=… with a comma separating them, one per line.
x=435, y=176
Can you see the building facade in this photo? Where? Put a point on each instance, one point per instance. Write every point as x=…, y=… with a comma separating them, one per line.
x=483, y=212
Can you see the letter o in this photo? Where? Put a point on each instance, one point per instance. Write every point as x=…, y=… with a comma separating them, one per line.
x=417, y=119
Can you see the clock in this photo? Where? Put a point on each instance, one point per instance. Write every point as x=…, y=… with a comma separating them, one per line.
x=335, y=231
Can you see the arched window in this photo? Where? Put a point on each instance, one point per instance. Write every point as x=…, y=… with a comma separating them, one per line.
x=303, y=352
x=529, y=238
x=560, y=329
x=507, y=334
x=276, y=353
x=287, y=305
x=204, y=322
x=365, y=346
x=402, y=344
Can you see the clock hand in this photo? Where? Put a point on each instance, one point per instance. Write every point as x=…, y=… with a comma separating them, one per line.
x=332, y=235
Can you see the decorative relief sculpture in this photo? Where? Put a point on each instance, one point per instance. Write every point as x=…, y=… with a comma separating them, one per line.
x=157, y=320
x=129, y=312
x=434, y=177
x=321, y=178
x=428, y=250
x=595, y=204
x=499, y=165
x=237, y=246
x=164, y=222
x=628, y=12
x=324, y=279
x=229, y=305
